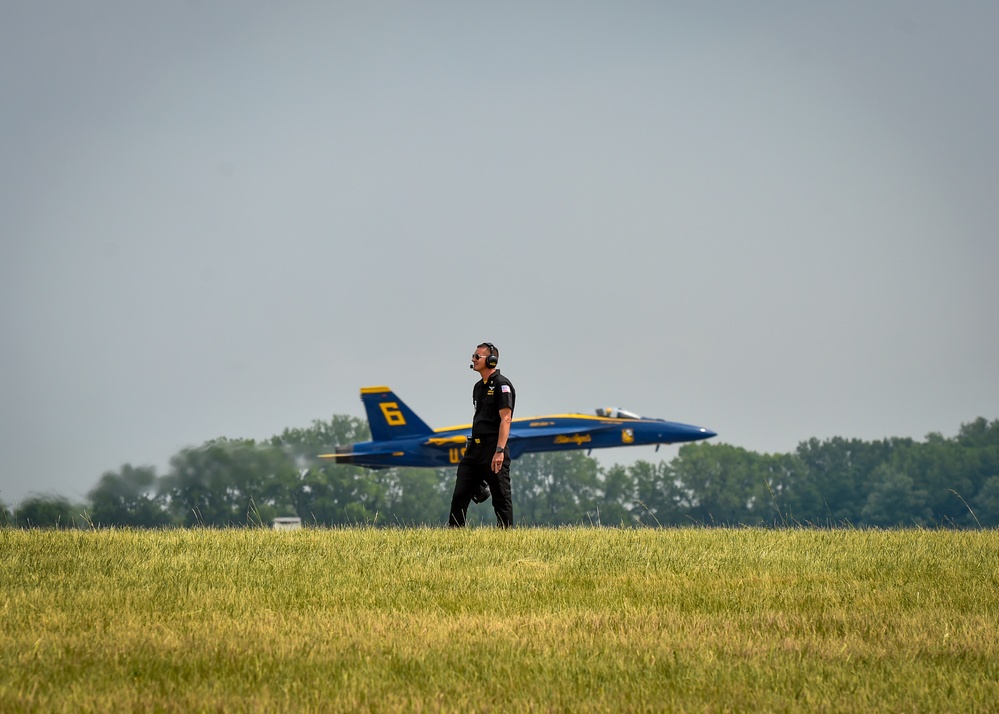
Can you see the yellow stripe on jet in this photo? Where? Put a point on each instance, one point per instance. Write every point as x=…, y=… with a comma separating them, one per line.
x=444, y=440
x=546, y=421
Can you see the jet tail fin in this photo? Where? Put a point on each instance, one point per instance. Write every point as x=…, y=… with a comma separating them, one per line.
x=389, y=417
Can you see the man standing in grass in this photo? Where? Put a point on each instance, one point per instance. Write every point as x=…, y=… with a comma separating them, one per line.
x=487, y=458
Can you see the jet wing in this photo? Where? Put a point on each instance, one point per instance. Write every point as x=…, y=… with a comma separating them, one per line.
x=348, y=456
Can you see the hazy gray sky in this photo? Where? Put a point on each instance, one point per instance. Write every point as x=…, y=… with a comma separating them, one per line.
x=777, y=220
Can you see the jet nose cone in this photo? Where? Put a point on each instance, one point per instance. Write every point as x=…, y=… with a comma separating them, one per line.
x=696, y=433
x=681, y=433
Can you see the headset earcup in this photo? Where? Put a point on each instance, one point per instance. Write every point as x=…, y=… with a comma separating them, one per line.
x=491, y=361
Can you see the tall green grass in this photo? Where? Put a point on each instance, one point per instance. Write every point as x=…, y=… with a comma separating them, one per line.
x=489, y=620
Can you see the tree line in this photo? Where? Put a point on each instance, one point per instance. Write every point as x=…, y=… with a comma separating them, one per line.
x=937, y=482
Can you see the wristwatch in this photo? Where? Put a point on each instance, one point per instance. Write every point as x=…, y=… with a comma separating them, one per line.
x=500, y=449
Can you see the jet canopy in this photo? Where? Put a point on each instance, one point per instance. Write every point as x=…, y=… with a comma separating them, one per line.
x=616, y=413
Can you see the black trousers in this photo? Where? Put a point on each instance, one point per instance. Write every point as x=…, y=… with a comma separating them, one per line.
x=473, y=469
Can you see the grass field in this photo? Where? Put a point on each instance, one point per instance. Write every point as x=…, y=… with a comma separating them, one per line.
x=487, y=620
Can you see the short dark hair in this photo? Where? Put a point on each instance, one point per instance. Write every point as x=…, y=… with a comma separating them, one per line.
x=493, y=349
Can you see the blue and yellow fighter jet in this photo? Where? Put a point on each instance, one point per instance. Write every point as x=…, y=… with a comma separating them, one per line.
x=400, y=438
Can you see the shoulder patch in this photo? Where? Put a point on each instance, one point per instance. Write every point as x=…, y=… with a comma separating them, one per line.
x=505, y=388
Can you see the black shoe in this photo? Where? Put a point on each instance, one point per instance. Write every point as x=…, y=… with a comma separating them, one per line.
x=482, y=494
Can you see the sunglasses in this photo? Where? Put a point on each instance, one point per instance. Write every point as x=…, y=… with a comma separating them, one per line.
x=478, y=357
